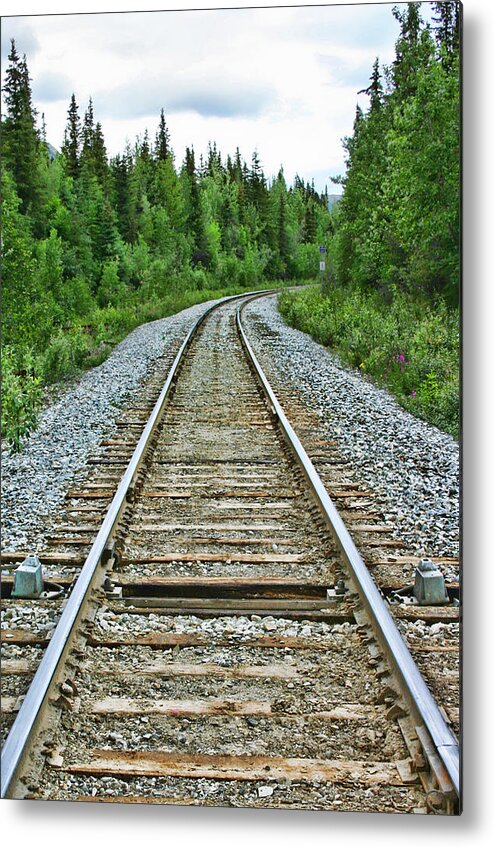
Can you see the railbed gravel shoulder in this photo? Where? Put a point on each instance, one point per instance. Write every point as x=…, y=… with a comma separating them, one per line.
x=412, y=467
x=202, y=792
x=71, y=426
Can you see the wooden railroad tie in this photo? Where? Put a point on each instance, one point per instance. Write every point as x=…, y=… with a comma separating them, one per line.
x=159, y=764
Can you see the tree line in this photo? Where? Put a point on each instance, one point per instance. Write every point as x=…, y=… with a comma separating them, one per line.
x=82, y=229
x=391, y=306
x=94, y=245
x=398, y=222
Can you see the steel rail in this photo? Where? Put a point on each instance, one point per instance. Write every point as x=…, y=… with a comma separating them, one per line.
x=416, y=692
x=17, y=739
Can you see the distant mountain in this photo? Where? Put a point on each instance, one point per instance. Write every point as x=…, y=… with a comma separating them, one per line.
x=52, y=151
x=332, y=199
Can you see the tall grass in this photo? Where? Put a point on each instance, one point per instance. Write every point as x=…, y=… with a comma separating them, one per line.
x=409, y=345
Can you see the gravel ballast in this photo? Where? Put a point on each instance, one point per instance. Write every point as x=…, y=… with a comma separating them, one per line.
x=411, y=467
x=269, y=680
x=35, y=480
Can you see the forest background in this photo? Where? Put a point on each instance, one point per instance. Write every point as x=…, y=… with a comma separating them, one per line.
x=94, y=246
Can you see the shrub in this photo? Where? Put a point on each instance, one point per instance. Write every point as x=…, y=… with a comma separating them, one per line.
x=21, y=395
x=306, y=261
x=409, y=344
x=65, y=353
x=111, y=290
x=78, y=297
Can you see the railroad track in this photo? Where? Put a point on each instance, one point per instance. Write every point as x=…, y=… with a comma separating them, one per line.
x=219, y=639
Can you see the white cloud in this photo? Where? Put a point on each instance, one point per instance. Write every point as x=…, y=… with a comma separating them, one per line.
x=282, y=80
x=51, y=86
x=22, y=33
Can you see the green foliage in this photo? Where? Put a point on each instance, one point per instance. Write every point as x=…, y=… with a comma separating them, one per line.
x=65, y=353
x=26, y=317
x=78, y=299
x=21, y=149
x=399, y=218
x=72, y=140
x=306, y=261
x=391, y=308
x=111, y=290
x=92, y=248
x=21, y=395
x=409, y=345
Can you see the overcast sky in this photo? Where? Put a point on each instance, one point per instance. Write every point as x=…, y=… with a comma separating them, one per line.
x=284, y=81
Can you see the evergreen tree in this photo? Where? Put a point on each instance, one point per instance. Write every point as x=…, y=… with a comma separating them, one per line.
x=195, y=224
x=88, y=133
x=124, y=196
x=190, y=164
x=43, y=128
x=13, y=87
x=310, y=224
x=144, y=169
x=256, y=183
x=257, y=195
x=214, y=167
x=72, y=139
x=99, y=160
x=162, y=148
x=145, y=148
x=237, y=168
x=447, y=21
x=375, y=89
x=397, y=223
x=20, y=142
x=408, y=54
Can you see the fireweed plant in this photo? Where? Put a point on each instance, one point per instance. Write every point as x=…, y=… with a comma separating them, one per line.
x=366, y=330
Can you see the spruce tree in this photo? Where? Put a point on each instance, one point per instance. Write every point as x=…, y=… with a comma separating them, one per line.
x=72, y=140
x=162, y=144
x=375, y=89
x=310, y=223
x=214, y=167
x=88, y=133
x=20, y=139
x=195, y=224
x=145, y=147
x=257, y=192
x=144, y=167
x=447, y=29
x=99, y=160
x=408, y=54
x=13, y=85
x=237, y=167
x=125, y=195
